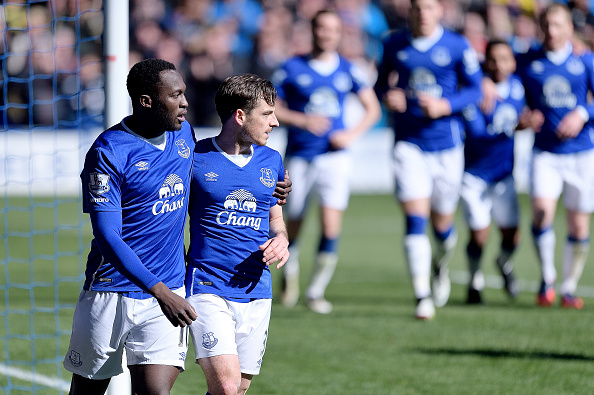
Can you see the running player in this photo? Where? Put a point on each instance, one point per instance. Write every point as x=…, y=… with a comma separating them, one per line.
x=312, y=90
x=488, y=185
x=426, y=77
x=236, y=231
x=557, y=83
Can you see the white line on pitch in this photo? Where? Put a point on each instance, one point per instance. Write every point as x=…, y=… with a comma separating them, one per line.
x=52, y=382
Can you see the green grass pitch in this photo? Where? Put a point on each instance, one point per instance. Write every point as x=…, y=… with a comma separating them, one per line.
x=371, y=343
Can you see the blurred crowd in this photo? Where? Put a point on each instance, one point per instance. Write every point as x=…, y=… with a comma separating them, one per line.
x=50, y=54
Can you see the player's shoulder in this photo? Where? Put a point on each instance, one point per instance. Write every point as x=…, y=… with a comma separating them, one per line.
x=204, y=146
x=267, y=153
x=456, y=42
x=398, y=38
x=111, y=138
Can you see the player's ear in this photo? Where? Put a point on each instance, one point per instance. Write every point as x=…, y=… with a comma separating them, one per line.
x=240, y=116
x=146, y=101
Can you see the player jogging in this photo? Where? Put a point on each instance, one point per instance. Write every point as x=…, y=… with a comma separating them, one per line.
x=427, y=76
x=312, y=91
x=488, y=190
x=557, y=84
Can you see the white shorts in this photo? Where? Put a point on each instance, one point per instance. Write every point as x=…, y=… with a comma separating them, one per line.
x=106, y=323
x=570, y=174
x=480, y=200
x=224, y=327
x=435, y=175
x=327, y=174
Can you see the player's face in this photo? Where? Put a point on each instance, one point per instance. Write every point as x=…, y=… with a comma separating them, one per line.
x=327, y=33
x=557, y=28
x=258, y=124
x=170, y=104
x=425, y=16
x=500, y=62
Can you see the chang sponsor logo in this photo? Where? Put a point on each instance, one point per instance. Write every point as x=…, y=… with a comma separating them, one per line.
x=238, y=204
x=323, y=101
x=423, y=80
x=171, y=188
x=557, y=93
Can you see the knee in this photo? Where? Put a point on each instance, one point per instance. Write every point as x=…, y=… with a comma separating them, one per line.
x=226, y=387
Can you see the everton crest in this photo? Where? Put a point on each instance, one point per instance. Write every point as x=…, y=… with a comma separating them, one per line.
x=267, y=177
x=182, y=148
x=209, y=341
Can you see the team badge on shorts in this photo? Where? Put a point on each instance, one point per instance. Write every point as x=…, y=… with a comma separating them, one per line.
x=74, y=358
x=267, y=179
x=209, y=341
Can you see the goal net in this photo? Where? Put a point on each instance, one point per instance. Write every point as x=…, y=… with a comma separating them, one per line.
x=51, y=108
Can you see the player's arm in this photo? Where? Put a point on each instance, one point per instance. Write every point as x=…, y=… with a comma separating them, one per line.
x=470, y=78
x=276, y=248
x=313, y=123
x=573, y=122
x=282, y=190
x=372, y=114
x=107, y=230
x=532, y=119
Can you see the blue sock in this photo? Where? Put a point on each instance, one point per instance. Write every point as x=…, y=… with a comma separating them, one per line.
x=442, y=236
x=538, y=232
x=415, y=224
x=328, y=245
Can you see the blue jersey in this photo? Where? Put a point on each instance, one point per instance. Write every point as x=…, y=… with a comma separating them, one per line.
x=447, y=69
x=229, y=220
x=126, y=174
x=555, y=90
x=489, y=146
x=307, y=91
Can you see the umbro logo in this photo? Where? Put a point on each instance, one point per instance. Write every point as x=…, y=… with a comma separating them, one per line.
x=211, y=176
x=142, y=165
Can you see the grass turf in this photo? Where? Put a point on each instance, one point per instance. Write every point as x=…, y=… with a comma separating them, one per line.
x=370, y=343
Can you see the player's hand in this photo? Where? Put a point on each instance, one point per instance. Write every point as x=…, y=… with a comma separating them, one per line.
x=316, y=124
x=275, y=250
x=570, y=126
x=532, y=119
x=177, y=310
x=490, y=96
x=395, y=100
x=341, y=139
x=434, y=108
x=282, y=190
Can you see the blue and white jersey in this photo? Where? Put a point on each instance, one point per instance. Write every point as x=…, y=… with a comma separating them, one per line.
x=305, y=90
x=229, y=220
x=446, y=69
x=125, y=173
x=489, y=146
x=555, y=89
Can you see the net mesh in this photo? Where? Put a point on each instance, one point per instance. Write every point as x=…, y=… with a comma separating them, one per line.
x=51, y=106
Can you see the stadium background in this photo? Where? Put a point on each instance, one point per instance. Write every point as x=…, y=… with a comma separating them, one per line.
x=52, y=106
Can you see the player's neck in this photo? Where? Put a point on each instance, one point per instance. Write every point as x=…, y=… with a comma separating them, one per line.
x=323, y=56
x=143, y=126
x=229, y=143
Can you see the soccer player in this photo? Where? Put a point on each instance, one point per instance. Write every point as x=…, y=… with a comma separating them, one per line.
x=557, y=84
x=236, y=231
x=426, y=77
x=135, y=183
x=488, y=184
x=312, y=90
